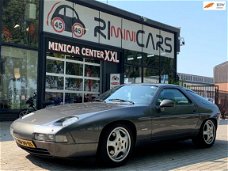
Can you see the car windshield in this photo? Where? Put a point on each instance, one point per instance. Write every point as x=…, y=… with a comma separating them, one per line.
x=132, y=94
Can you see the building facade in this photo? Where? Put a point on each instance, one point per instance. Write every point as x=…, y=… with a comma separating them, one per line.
x=221, y=80
x=73, y=50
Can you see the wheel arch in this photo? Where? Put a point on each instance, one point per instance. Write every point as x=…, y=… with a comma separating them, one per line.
x=214, y=121
x=128, y=123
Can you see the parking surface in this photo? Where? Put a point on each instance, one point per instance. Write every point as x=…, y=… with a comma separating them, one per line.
x=166, y=156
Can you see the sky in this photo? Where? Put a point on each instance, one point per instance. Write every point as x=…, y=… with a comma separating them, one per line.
x=204, y=31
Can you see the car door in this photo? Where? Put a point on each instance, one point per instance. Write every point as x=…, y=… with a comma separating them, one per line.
x=179, y=120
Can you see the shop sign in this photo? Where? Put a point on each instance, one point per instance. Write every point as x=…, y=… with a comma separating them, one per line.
x=80, y=22
x=114, y=80
x=106, y=55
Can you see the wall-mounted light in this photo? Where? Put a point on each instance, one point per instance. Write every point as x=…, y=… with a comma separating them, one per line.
x=150, y=55
x=139, y=57
x=130, y=59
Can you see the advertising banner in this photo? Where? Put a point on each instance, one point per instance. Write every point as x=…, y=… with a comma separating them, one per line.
x=80, y=22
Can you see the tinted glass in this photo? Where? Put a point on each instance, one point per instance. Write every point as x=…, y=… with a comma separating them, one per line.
x=74, y=84
x=18, y=77
x=138, y=94
x=132, y=74
x=53, y=82
x=167, y=70
x=175, y=95
x=54, y=66
x=20, y=22
x=74, y=69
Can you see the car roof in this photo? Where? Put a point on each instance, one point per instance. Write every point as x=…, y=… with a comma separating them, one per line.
x=156, y=85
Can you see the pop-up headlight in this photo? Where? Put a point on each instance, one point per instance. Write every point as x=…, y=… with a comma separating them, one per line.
x=66, y=121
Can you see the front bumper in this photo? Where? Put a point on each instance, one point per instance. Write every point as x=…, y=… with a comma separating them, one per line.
x=61, y=150
x=54, y=149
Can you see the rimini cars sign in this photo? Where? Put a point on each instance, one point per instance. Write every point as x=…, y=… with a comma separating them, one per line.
x=80, y=22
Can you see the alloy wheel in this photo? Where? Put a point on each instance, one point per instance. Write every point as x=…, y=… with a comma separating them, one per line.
x=118, y=144
x=209, y=132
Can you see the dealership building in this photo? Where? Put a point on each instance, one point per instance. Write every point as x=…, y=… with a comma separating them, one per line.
x=73, y=50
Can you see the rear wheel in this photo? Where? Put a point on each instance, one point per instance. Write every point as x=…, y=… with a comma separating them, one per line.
x=207, y=134
x=116, y=145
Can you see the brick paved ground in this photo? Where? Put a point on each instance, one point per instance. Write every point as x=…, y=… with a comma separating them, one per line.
x=172, y=156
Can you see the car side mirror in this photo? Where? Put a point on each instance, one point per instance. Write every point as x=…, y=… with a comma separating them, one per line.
x=167, y=103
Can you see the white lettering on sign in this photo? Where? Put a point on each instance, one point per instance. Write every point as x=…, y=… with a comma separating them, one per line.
x=106, y=55
x=59, y=47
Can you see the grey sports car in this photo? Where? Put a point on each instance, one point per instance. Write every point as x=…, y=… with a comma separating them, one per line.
x=119, y=119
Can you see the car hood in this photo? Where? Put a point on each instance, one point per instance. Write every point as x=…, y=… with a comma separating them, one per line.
x=47, y=115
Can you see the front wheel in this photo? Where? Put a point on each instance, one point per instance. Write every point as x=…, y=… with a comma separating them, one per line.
x=116, y=145
x=207, y=134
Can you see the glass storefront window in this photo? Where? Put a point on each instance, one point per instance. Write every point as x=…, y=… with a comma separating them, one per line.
x=92, y=85
x=150, y=68
x=53, y=98
x=89, y=97
x=132, y=66
x=92, y=71
x=76, y=78
x=54, y=66
x=18, y=77
x=150, y=75
x=167, y=70
x=74, y=84
x=73, y=98
x=54, y=82
x=74, y=69
x=20, y=22
x=132, y=74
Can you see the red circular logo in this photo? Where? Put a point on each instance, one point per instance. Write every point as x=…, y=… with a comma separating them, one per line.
x=58, y=24
x=78, y=30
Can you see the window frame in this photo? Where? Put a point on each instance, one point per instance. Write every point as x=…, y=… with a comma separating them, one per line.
x=176, y=104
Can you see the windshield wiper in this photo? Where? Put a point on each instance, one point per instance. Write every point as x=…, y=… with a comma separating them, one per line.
x=98, y=100
x=122, y=100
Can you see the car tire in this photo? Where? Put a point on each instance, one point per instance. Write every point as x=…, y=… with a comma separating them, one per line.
x=206, y=136
x=116, y=145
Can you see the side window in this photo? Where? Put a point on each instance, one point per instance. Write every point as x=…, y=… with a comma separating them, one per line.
x=173, y=94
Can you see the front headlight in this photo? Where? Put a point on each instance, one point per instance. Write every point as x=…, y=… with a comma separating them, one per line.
x=50, y=138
